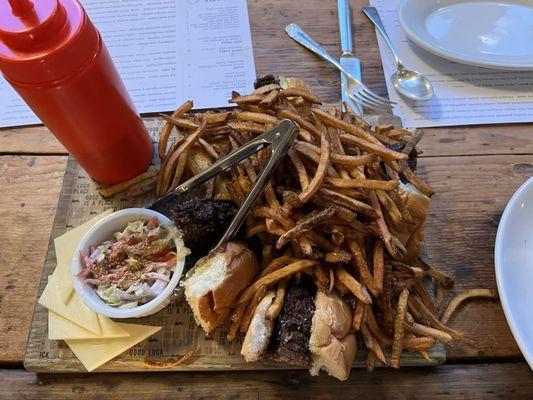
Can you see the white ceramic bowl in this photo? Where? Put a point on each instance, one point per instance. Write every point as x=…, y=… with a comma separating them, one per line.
x=513, y=258
x=103, y=230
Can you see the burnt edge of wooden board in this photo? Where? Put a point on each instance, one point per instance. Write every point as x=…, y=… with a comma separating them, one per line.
x=35, y=362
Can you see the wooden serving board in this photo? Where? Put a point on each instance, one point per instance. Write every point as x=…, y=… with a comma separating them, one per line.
x=79, y=201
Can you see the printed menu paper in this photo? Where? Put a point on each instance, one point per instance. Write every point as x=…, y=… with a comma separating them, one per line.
x=464, y=95
x=166, y=51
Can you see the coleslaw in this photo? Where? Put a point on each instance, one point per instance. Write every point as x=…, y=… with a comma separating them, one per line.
x=135, y=266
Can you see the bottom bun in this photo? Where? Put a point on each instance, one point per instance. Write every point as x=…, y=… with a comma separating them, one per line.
x=332, y=346
x=217, y=281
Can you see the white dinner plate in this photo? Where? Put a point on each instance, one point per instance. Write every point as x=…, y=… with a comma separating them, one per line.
x=513, y=258
x=486, y=33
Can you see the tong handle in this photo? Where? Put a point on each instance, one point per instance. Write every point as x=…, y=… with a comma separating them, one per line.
x=281, y=138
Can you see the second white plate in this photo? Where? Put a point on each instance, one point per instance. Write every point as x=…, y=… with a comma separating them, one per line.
x=486, y=33
x=513, y=259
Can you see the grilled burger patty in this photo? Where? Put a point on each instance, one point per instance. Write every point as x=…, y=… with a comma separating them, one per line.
x=290, y=339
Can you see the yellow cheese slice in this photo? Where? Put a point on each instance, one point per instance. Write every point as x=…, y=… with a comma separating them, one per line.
x=60, y=328
x=65, y=246
x=95, y=352
x=74, y=310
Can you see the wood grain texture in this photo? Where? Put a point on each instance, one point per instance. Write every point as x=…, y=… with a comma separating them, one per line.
x=471, y=194
x=29, y=189
x=497, y=381
x=276, y=53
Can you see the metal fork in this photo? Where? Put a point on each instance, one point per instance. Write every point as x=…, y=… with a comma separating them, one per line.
x=357, y=91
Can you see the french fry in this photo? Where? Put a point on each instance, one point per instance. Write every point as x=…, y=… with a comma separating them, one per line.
x=250, y=309
x=340, y=256
x=466, y=295
x=300, y=169
x=382, y=226
x=370, y=147
x=304, y=225
x=361, y=265
x=331, y=273
x=446, y=281
x=249, y=99
x=358, y=316
x=423, y=330
x=342, y=159
x=236, y=320
x=212, y=118
x=209, y=149
x=244, y=127
x=266, y=89
x=253, y=230
x=390, y=207
x=372, y=324
x=121, y=187
x=276, y=264
x=372, y=344
x=399, y=330
x=419, y=343
x=257, y=117
x=370, y=362
x=180, y=169
x=318, y=178
x=274, y=277
x=171, y=362
x=321, y=280
x=167, y=129
x=343, y=126
x=275, y=308
x=337, y=237
x=363, y=183
x=298, y=92
x=141, y=188
x=432, y=319
x=426, y=298
x=353, y=285
x=170, y=166
x=378, y=267
x=304, y=124
x=314, y=156
x=180, y=122
x=412, y=178
x=347, y=202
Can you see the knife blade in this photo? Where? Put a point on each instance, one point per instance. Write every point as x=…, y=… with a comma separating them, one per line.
x=348, y=60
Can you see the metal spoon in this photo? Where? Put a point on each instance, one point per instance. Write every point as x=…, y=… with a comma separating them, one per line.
x=411, y=84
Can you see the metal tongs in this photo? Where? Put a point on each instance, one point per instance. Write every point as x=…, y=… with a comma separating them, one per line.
x=279, y=138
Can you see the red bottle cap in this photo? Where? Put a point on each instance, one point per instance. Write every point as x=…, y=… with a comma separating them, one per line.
x=45, y=40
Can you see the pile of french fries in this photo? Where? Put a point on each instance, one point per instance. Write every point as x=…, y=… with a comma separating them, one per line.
x=330, y=212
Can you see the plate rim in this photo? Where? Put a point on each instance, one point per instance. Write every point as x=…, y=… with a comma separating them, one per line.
x=527, y=351
x=442, y=53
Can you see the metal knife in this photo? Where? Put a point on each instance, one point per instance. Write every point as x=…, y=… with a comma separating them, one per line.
x=348, y=60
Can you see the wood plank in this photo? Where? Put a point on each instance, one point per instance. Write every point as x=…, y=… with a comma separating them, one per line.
x=484, y=381
x=79, y=202
x=471, y=194
x=460, y=235
x=29, y=189
x=276, y=53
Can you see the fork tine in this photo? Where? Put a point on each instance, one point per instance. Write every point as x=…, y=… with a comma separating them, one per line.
x=370, y=102
x=367, y=103
x=365, y=95
x=377, y=97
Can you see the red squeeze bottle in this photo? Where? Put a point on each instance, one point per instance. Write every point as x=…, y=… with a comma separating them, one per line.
x=54, y=57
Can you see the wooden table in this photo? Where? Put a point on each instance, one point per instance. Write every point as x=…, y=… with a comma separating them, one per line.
x=474, y=170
